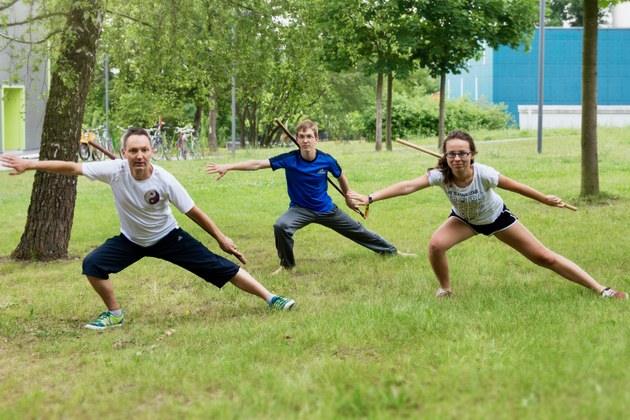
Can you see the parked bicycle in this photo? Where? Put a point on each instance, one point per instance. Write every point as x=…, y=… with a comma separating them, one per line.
x=196, y=148
x=91, y=137
x=104, y=139
x=183, y=136
x=86, y=150
x=161, y=148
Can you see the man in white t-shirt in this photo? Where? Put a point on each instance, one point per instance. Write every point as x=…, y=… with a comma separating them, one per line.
x=142, y=196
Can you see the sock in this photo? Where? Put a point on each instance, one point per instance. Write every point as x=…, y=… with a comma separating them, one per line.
x=270, y=299
x=116, y=312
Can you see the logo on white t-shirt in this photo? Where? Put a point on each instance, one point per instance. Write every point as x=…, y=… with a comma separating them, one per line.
x=152, y=197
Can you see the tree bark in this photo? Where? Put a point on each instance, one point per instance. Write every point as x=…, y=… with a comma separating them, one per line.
x=253, y=127
x=590, y=169
x=212, y=122
x=388, y=112
x=442, y=117
x=379, y=112
x=197, y=119
x=51, y=211
x=241, y=127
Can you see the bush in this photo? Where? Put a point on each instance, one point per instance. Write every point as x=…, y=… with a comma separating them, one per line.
x=412, y=117
x=462, y=114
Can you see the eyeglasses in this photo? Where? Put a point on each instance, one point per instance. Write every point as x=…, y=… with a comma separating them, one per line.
x=461, y=155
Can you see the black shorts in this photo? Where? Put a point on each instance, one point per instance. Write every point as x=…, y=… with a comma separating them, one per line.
x=178, y=247
x=504, y=221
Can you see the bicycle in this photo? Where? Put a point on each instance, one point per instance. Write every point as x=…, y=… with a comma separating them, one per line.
x=86, y=150
x=104, y=140
x=161, y=150
x=183, y=142
x=196, y=148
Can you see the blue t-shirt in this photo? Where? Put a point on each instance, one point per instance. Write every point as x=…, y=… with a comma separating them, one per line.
x=307, y=181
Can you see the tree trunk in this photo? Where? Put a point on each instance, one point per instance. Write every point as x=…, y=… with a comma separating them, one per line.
x=197, y=119
x=388, y=112
x=253, y=127
x=442, y=117
x=590, y=170
x=241, y=128
x=379, y=112
x=51, y=211
x=212, y=122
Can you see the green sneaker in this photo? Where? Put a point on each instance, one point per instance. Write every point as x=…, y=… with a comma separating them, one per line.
x=281, y=303
x=106, y=320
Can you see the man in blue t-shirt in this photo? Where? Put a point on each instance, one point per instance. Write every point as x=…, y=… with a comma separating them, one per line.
x=306, y=172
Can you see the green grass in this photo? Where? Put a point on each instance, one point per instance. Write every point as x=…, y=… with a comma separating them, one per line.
x=367, y=339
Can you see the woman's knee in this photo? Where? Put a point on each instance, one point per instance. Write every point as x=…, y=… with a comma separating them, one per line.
x=543, y=257
x=437, y=246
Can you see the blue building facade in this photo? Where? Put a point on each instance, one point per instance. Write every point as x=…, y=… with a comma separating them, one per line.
x=511, y=76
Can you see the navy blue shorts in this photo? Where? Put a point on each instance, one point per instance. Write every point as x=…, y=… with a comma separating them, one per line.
x=178, y=247
x=504, y=221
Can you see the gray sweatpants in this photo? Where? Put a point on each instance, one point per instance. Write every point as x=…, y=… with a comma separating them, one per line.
x=297, y=217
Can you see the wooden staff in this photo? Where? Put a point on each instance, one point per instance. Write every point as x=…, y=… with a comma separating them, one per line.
x=330, y=181
x=569, y=206
x=437, y=155
x=422, y=149
x=102, y=150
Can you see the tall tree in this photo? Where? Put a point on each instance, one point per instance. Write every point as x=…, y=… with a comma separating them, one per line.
x=51, y=211
x=452, y=32
x=161, y=72
x=272, y=55
x=590, y=169
x=571, y=12
x=369, y=35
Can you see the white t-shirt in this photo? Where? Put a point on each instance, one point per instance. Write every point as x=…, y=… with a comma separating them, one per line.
x=477, y=203
x=142, y=206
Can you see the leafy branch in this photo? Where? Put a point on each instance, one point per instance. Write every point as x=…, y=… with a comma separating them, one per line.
x=31, y=42
x=131, y=18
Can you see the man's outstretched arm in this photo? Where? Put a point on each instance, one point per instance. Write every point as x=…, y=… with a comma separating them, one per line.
x=20, y=165
x=247, y=165
x=226, y=244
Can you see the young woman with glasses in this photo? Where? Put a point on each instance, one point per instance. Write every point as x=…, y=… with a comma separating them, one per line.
x=477, y=208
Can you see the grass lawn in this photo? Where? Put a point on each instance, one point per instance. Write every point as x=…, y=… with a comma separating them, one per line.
x=367, y=339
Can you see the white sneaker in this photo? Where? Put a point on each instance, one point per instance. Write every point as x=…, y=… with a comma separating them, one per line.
x=443, y=294
x=614, y=294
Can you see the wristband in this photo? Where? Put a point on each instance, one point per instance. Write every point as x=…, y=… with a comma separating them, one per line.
x=370, y=199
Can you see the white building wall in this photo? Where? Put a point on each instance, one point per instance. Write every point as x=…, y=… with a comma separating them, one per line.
x=35, y=83
x=570, y=116
x=621, y=15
